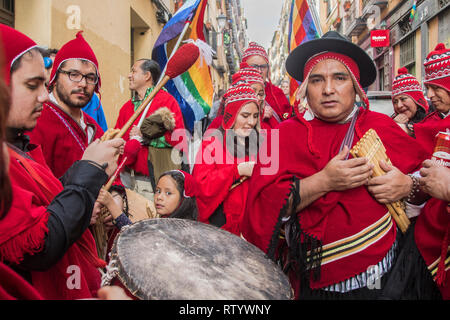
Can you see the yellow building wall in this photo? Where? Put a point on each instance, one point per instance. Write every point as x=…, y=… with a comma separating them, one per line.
x=419, y=59
x=106, y=27
x=433, y=31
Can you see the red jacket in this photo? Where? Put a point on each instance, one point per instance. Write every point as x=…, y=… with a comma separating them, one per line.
x=137, y=154
x=61, y=138
x=432, y=230
x=23, y=231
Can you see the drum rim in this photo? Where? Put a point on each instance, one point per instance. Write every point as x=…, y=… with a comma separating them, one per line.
x=127, y=282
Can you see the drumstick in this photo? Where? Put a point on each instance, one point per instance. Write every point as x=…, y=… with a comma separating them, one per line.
x=114, y=176
x=180, y=62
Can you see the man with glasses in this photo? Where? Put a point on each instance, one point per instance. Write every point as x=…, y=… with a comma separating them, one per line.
x=64, y=130
x=276, y=104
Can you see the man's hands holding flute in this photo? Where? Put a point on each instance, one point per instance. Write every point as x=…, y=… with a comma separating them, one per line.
x=392, y=186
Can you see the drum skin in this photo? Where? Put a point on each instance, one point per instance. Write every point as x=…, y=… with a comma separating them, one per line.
x=175, y=259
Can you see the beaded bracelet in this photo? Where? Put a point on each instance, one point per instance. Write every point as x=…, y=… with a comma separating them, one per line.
x=414, y=189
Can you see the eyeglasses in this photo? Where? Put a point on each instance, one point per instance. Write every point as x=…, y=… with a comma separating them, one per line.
x=259, y=66
x=78, y=77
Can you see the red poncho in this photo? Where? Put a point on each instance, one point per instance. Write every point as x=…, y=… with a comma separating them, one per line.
x=352, y=222
x=215, y=171
x=426, y=130
x=277, y=100
x=61, y=138
x=137, y=154
x=14, y=287
x=433, y=224
x=24, y=228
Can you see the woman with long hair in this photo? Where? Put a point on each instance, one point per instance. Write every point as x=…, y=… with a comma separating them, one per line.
x=225, y=160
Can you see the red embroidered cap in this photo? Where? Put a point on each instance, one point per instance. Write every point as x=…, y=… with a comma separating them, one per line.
x=405, y=83
x=15, y=44
x=236, y=97
x=437, y=67
x=254, y=49
x=77, y=48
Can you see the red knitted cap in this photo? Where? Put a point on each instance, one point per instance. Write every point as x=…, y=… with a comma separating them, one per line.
x=406, y=83
x=437, y=67
x=249, y=75
x=255, y=49
x=15, y=44
x=77, y=48
x=236, y=97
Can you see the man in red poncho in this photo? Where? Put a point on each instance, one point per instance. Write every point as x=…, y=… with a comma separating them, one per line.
x=149, y=156
x=277, y=105
x=64, y=131
x=432, y=230
x=320, y=215
x=43, y=236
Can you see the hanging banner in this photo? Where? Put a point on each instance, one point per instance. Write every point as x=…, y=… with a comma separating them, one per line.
x=379, y=38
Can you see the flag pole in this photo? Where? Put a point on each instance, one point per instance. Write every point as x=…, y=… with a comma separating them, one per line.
x=180, y=38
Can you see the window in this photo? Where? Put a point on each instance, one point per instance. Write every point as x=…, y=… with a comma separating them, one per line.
x=408, y=54
x=7, y=12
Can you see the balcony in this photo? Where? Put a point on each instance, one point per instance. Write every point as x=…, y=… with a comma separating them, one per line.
x=353, y=25
x=380, y=3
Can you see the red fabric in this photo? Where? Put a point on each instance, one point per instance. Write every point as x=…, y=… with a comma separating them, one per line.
x=14, y=287
x=431, y=228
x=15, y=44
x=60, y=147
x=216, y=123
x=137, y=155
x=426, y=130
x=346, y=60
x=433, y=223
x=277, y=100
x=182, y=60
x=437, y=67
x=77, y=48
x=215, y=171
x=338, y=214
x=254, y=49
x=236, y=97
x=23, y=231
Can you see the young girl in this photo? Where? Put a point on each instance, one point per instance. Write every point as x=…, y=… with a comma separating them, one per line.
x=174, y=198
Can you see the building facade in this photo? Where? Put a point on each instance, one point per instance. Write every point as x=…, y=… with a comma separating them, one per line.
x=279, y=47
x=410, y=38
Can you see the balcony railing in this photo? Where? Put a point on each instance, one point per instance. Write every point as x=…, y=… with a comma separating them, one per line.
x=353, y=24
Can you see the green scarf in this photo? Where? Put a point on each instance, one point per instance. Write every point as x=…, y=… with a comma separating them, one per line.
x=158, y=142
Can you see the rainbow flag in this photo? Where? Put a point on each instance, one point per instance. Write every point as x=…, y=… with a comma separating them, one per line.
x=193, y=89
x=412, y=15
x=301, y=29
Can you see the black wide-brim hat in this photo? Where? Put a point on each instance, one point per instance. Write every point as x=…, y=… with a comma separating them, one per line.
x=331, y=42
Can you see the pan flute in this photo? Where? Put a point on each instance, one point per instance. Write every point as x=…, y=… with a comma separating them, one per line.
x=371, y=147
